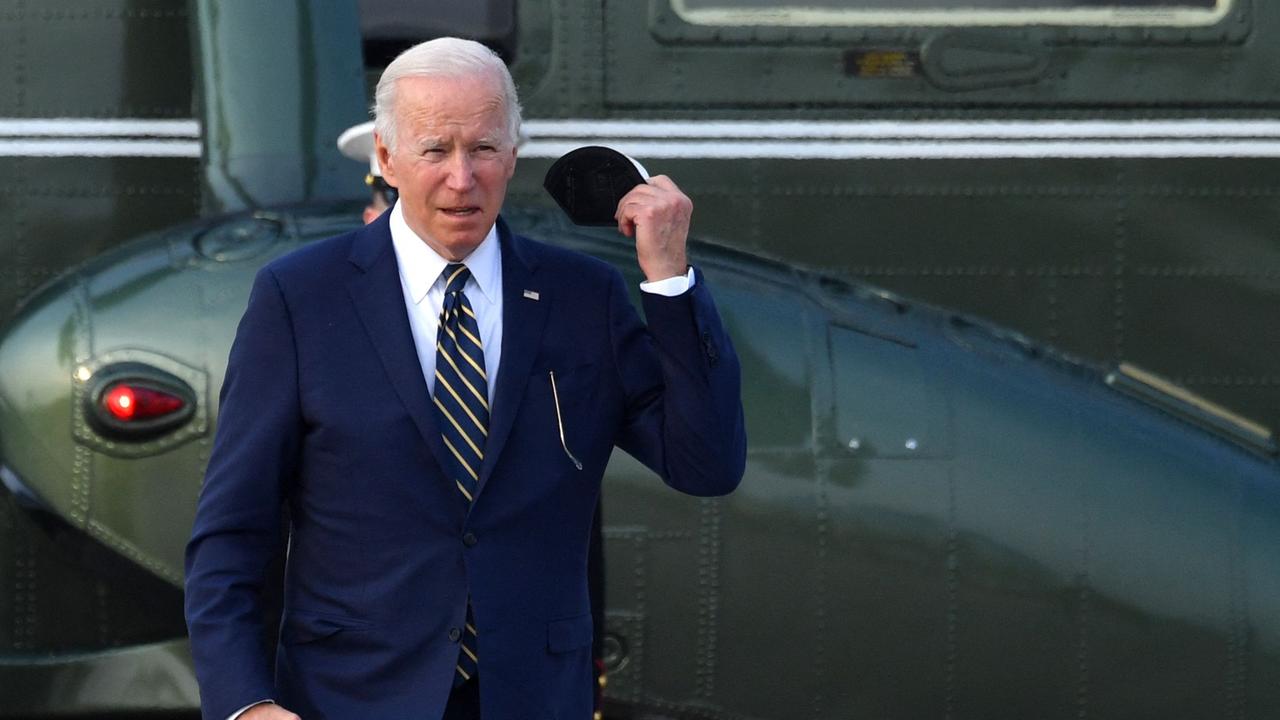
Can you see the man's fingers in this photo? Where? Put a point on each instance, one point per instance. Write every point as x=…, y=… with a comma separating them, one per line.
x=631, y=207
x=656, y=215
x=637, y=197
x=662, y=181
x=626, y=226
x=660, y=195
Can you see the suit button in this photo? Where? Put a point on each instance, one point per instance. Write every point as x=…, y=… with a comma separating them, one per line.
x=469, y=540
x=454, y=634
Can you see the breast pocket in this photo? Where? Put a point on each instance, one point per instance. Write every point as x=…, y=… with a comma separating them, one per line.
x=570, y=387
x=562, y=399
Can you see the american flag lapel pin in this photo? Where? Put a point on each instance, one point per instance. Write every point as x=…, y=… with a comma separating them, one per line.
x=531, y=294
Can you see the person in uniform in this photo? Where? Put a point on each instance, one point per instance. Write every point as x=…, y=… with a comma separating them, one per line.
x=356, y=142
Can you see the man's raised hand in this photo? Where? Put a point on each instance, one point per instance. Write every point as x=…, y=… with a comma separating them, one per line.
x=657, y=216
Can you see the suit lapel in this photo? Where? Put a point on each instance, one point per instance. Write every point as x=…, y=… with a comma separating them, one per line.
x=522, y=320
x=379, y=302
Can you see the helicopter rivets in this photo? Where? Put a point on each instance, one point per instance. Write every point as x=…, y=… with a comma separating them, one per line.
x=83, y=373
x=912, y=443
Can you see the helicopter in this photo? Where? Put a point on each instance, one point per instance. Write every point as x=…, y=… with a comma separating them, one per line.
x=942, y=515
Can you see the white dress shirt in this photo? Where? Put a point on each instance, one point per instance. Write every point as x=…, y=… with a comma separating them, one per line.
x=422, y=280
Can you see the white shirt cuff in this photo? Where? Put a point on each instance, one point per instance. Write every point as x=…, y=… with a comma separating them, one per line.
x=671, y=286
x=244, y=709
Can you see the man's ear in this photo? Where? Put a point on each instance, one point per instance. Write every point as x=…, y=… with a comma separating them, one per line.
x=385, y=161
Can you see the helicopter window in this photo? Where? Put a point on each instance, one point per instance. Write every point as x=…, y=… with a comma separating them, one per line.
x=829, y=13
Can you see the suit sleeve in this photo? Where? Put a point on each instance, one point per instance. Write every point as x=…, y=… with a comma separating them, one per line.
x=237, y=523
x=683, y=386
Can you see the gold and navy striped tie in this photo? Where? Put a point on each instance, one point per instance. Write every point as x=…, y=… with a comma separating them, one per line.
x=462, y=399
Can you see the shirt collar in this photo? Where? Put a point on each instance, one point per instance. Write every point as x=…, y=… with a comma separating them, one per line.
x=420, y=266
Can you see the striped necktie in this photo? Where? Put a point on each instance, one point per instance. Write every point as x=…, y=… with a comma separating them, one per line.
x=462, y=399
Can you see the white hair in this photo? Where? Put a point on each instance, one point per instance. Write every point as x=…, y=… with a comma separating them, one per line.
x=443, y=57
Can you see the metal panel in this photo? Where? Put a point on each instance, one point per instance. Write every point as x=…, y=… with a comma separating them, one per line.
x=115, y=58
x=62, y=211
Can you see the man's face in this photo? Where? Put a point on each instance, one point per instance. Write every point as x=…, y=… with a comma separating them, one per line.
x=452, y=159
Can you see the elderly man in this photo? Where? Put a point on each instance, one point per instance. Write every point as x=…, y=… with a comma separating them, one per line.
x=356, y=142
x=436, y=399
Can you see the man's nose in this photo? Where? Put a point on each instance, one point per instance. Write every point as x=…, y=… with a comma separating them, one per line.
x=461, y=173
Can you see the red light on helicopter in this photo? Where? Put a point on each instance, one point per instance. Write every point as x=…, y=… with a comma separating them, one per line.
x=134, y=403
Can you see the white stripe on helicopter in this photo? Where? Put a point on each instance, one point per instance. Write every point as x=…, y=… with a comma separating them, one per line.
x=78, y=137
x=818, y=140
x=918, y=139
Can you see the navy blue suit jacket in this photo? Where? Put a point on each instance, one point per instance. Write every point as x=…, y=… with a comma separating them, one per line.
x=324, y=407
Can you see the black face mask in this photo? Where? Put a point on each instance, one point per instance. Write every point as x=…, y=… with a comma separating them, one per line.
x=588, y=182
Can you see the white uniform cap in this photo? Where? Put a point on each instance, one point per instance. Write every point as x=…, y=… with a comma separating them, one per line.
x=356, y=142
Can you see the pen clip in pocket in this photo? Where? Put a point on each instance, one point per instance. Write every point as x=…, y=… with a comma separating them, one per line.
x=555, y=396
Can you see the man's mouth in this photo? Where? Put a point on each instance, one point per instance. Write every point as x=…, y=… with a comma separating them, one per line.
x=462, y=211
